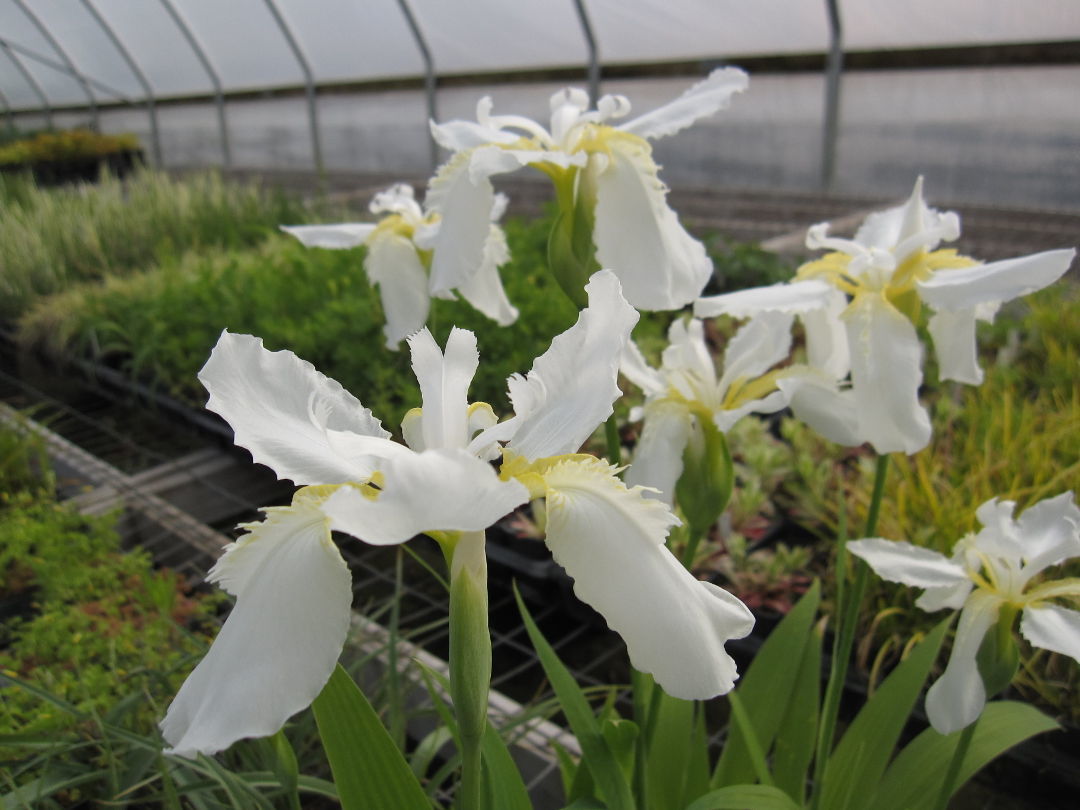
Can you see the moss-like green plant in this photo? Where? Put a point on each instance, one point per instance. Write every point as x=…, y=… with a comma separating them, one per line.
x=67, y=145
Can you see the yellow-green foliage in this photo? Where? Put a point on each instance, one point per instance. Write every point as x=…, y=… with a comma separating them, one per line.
x=68, y=145
x=52, y=238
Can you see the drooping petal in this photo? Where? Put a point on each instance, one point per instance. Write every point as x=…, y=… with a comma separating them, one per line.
x=703, y=99
x=902, y=562
x=446, y=490
x=966, y=287
x=464, y=205
x=394, y=266
x=759, y=344
x=610, y=540
x=658, y=457
x=1053, y=628
x=280, y=643
x=660, y=265
x=886, y=371
x=956, y=699
x=1051, y=532
x=571, y=388
x=336, y=237
x=816, y=399
x=797, y=297
x=460, y=136
x=444, y=386
x=954, y=345
x=484, y=290
x=281, y=408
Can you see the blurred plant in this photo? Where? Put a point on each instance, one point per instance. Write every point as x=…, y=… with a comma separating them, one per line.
x=67, y=145
x=50, y=239
x=769, y=578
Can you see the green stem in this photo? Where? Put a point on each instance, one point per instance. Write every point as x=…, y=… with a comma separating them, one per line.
x=611, y=435
x=470, y=659
x=847, y=610
x=692, y=543
x=949, y=785
x=753, y=745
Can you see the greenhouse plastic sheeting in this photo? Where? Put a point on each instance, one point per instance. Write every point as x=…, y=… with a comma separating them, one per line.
x=356, y=40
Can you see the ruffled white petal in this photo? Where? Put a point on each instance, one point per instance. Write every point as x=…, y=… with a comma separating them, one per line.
x=436, y=490
x=910, y=565
x=954, y=344
x=281, y=409
x=816, y=399
x=339, y=237
x=797, y=296
x=658, y=457
x=659, y=264
x=444, y=386
x=770, y=403
x=1051, y=532
x=703, y=99
x=394, y=266
x=956, y=699
x=687, y=357
x=484, y=290
x=610, y=540
x=966, y=287
x=280, y=643
x=886, y=371
x=1053, y=628
x=1000, y=536
x=759, y=344
x=571, y=388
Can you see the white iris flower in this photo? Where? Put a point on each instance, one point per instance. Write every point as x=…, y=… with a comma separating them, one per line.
x=861, y=304
x=605, y=177
x=399, y=253
x=292, y=588
x=687, y=388
x=989, y=576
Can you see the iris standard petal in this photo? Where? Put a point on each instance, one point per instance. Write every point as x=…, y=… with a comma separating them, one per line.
x=610, y=540
x=826, y=337
x=394, y=266
x=946, y=596
x=570, y=390
x=444, y=386
x=281, y=408
x=966, y=287
x=1053, y=628
x=484, y=290
x=658, y=456
x=337, y=237
x=797, y=297
x=703, y=99
x=636, y=369
x=445, y=490
x=280, y=643
x=1051, y=532
x=459, y=136
x=760, y=343
x=956, y=699
x=902, y=562
x=660, y=265
x=886, y=371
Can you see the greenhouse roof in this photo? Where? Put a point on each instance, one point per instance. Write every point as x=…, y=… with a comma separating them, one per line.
x=57, y=53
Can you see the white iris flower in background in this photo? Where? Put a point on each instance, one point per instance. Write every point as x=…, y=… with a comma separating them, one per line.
x=861, y=304
x=687, y=388
x=292, y=587
x=606, y=184
x=989, y=577
x=399, y=254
